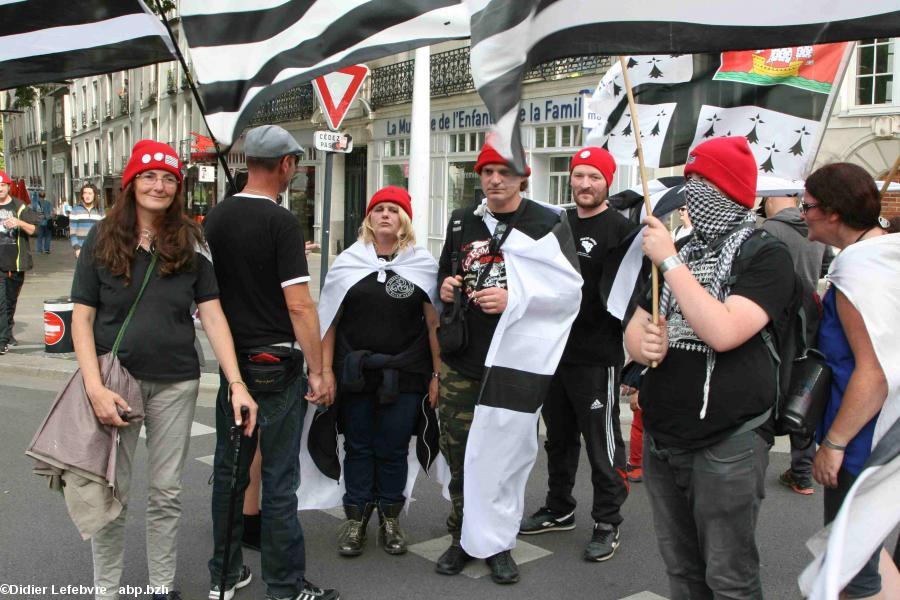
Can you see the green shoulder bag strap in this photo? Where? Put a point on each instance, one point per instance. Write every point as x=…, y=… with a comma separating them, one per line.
x=121, y=334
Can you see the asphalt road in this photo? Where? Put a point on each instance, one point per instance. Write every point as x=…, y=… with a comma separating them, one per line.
x=40, y=546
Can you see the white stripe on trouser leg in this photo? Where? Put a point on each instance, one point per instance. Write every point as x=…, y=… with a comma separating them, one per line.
x=610, y=442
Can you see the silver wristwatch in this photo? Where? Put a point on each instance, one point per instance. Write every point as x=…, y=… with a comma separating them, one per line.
x=670, y=263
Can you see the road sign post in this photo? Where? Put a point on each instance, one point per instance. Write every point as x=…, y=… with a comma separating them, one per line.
x=336, y=92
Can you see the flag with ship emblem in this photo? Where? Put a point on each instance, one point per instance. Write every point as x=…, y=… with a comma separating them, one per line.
x=778, y=99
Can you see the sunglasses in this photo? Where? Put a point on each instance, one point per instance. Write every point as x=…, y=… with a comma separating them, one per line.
x=806, y=207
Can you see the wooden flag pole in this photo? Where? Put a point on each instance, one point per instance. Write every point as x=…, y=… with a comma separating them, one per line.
x=636, y=127
x=890, y=177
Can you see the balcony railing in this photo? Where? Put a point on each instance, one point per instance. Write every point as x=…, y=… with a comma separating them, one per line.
x=58, y=132
x=185, y=80
x=451, y=74
x=84, y=118
x=151, y=95
x=295, y=103
x=108, y=109
x=171, y=86
x=123, y=105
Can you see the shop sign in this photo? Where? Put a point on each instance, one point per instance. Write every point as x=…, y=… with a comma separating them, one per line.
x=552, y=109
x=206, y=174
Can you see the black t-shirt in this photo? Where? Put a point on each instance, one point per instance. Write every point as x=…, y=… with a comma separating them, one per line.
x=159, y=342
x=596, y=337
x=536, y=221
x=743, y=381
x=257, y=249
x=15, y=254
x=385, y=318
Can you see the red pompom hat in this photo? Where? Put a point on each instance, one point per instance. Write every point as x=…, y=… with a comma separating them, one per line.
x=728, y=163
x=149, y=155
x=4, y=178
x=392, y=193
x=489, y=156
x=595, y=157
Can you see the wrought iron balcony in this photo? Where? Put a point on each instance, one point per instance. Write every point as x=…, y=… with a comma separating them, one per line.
x=123, y=105
x=58, y=132
x=451, y=73
x=294, y=104
x=185, y=80
x=108, y=111
x=171, y=87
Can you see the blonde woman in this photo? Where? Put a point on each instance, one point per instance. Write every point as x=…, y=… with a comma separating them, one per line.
x=380, y=345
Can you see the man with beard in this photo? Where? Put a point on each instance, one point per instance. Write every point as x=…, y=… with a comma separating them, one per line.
x=708, y=403
x=583, y=399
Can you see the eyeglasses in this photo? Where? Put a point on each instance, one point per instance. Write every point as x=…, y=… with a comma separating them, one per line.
x=805, y=207
x=152, y=178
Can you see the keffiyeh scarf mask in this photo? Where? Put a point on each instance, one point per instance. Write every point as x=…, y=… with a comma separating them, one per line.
x=720, y=227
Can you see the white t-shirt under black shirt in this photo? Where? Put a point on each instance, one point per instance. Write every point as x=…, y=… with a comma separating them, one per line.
x=258, y=250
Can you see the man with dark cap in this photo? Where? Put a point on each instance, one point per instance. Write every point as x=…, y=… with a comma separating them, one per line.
x=584, y=396
x=708, y=403
x=258, y=255
x=488, y=256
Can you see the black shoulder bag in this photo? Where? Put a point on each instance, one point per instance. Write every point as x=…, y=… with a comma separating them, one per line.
x=453, y=335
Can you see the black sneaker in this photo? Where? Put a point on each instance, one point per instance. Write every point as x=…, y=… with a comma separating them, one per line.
x=4, y=348
x=504, y=569
x=603, y=544
x=310, y=592
x=452, y=561
x=243, y=580
x=545, y=520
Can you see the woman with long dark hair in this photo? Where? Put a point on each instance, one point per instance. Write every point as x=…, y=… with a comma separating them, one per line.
x=857, y=334
x=147, y=242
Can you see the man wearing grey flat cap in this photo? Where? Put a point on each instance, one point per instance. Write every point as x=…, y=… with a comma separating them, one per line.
x=260, y=263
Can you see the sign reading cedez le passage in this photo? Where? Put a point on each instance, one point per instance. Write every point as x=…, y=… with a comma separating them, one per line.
x=332, y=141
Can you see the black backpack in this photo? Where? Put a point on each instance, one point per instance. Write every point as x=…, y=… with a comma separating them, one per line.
x=801, y=377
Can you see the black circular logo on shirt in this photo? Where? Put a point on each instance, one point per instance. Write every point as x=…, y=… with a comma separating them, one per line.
x=397, y=287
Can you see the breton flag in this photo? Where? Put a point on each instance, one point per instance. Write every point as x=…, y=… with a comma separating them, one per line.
x=246, y=52
x=510, y=37
x=776, y=98
x=47, y=40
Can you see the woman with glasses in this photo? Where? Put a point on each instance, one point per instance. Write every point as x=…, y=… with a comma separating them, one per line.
x=857, y=334
x=146, y=241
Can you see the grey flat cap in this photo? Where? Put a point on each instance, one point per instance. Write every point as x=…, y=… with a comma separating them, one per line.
x=270, y=141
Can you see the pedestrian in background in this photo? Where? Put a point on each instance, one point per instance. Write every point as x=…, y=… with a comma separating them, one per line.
x=44, y=210
x=17, y=222
x=857, y=335
x=148, y=235
x=84, y=216
x=381, y=346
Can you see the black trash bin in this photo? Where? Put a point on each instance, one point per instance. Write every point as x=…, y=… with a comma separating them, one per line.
x=58, y=326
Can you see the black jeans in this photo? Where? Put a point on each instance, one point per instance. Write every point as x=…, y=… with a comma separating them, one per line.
x=283, y=553
x=10, y=285
x=583, y=400
x=705, y=506
x=376, y=444
x=868, y=581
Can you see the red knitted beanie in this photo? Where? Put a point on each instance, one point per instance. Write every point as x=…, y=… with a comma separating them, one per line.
x=392, y=193
x=595, y=157
x=489, y=156
x=729, y=164
x=148, y=155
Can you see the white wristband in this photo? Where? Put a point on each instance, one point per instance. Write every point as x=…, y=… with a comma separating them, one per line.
x=670, y=263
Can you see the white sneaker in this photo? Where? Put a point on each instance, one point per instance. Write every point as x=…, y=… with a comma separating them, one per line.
x=243, y=580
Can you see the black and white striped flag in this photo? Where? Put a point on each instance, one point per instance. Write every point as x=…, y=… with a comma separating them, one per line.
x=246, y=52
x=49, y=40
x=510, y=37
x=776, y=98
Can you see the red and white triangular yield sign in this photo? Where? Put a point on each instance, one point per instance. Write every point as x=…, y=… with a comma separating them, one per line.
x=336, y=91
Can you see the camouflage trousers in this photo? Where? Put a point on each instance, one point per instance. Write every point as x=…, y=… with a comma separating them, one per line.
x=455, y=411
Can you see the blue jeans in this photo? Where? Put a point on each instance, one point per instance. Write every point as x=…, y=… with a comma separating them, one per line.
x=376, y=444
x=280, y=417
x=44, y=235
x=705, y=506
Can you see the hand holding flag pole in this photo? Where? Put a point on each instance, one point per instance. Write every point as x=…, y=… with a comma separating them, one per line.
x=636, y=127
